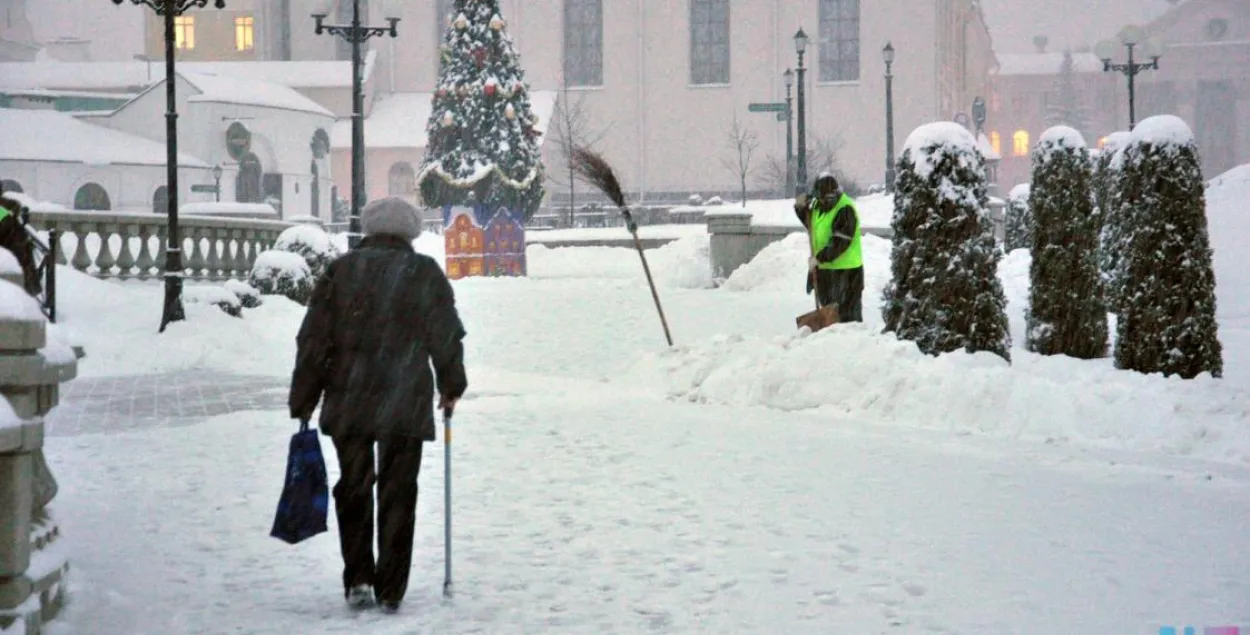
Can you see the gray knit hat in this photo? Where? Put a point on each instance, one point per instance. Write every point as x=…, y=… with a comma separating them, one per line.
x=391, y=215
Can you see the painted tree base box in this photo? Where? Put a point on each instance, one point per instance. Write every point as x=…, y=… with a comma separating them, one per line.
x=481, y=242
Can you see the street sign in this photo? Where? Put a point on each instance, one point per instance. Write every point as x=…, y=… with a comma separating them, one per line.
x=210, y=189
x=767, y=107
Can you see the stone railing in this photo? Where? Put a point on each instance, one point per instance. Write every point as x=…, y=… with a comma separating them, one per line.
x=33, y=563
x=132, y=245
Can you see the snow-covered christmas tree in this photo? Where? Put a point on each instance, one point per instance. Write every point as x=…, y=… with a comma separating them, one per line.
x=1068, y=109
x=1066, y=314
x=1111, y=219
x=944, y=292
x=1167, y=323
x=482, y=146
x=1018, y=219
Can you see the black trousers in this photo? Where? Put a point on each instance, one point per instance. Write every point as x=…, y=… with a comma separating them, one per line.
x=399, y=462
x=843, y=287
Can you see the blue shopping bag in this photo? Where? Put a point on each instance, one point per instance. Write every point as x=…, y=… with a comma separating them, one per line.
x=305, y=496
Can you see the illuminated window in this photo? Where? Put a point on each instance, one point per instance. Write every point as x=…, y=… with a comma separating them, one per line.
x=244, y=33
x=184, y=31
x=996, y=143
x=1102, y=143
x=1020, y=143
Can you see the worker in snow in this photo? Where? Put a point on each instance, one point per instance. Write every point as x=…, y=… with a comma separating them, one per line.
x=832, y=222
x=13, y=237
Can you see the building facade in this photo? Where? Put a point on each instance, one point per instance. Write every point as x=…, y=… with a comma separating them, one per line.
x=1203, y=77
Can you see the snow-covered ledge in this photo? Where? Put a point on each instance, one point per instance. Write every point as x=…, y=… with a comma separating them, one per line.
x=32, y=367
x=131, y=245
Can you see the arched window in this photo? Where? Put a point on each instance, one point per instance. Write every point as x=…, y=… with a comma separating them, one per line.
x=160, y=200
x=9, y=185
x=92, y=196
x=247, y=183
x=1020, y=143
x=996, y=142
x=403, y=180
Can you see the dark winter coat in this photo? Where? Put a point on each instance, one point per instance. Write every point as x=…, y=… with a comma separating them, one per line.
x=13, y=236
x=843, y=287
x=377, y=319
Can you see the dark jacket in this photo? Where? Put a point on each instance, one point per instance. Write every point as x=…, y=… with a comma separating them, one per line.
x=13, y=236
x=377, y=319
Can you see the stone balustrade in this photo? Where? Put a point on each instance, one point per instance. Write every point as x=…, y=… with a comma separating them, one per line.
x=132, y=245
x=33, y=563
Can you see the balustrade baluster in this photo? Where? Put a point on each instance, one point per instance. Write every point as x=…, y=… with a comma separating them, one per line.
x=125, y=258
x=197, y=263
x=162, y=234
x=214, y=259
x=104, y=259
x=145, y=262
x=81, y=259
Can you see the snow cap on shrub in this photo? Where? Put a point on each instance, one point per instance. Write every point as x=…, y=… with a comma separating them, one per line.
x=391, y=215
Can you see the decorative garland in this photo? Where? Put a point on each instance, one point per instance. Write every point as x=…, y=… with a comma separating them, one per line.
x=437, y=168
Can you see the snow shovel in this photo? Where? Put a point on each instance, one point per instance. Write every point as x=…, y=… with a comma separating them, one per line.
x=447, y=587
x=823, y=316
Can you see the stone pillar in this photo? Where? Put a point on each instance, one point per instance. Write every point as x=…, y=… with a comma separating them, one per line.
x=31, y=370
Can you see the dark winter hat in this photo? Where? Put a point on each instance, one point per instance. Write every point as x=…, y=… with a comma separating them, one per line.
x=826, y=184
x=393, y=216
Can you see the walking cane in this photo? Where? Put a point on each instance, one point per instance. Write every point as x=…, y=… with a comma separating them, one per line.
x=447, y=587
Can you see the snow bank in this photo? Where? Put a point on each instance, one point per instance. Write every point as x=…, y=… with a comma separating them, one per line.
x=16, y=304
x=854, y=371
x=1228, y=221
x=1163, y=130
x=8, y=263
x=1063, y=137
x=782, y=267
x=608, y=233
x=685, y=263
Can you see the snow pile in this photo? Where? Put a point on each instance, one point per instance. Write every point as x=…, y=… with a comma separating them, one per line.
x=853, y=371
x=248, y=297
x=1163, y=130
x=9, y=264
x=1061, y=137
x=1228, y=223
x=782, y=267
x=219, y=297
x=16, y=304
x=684, y=263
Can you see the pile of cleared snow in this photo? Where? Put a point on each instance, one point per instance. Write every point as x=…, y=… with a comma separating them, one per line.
x=855, y=372
x=782, y=267
x=1228, y=220
x=684, y=263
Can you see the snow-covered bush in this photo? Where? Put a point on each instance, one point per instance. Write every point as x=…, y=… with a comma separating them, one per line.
x=1018, y=219
x=715, y=200
x=311, y=243
x=1167, y=323
x=216, y=296
x=248, y=297
x=1066, y=315
x=1112, y=223
x=282, y=273
x=695, y=200
x=944, y=292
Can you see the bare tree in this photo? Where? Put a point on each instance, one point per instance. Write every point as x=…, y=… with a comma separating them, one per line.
x=572, y=128
x=743, y=142
x=822, y=156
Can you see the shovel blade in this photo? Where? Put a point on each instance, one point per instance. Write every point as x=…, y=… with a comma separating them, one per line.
x=820, y=318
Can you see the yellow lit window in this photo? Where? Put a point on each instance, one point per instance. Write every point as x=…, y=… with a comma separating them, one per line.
x=244, y=33
x=1020, y=143
x=1102, y=143
x=184, y=31
x=996, y=142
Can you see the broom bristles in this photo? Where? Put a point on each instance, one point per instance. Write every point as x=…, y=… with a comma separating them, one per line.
x=596, y=171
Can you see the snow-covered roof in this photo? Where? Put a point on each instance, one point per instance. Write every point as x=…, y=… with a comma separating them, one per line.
x=1067, y=24
x=1163, y=130
x=47, y=135
x=1062, y=136
x=126, y=75
x=235, y=90
x=398, y=120
x=1045, y=63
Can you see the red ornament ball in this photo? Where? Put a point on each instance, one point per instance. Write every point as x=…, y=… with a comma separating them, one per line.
x=489, y=89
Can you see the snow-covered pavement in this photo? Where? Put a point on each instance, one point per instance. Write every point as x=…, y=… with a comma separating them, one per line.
x=584, y=507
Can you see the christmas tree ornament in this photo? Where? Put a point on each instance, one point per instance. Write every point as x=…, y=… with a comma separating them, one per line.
x=497, y=23
x=462, y=91
x=509, y=112
x=461, y=22
x=489, y=89
x=479, y=56
x=448, y=119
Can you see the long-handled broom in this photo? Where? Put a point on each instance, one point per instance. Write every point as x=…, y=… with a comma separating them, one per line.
x=595, y=171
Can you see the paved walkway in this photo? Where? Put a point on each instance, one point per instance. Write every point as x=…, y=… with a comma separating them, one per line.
x=94, y=405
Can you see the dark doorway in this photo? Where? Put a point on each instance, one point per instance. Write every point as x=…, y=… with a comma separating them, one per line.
x=9, y=185
x=93, y=197
x=247, y=183
x=160, y=200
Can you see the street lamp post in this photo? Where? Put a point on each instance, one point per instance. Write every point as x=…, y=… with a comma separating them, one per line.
x=173, y=310
x=1131, y=37
x=357, y=34
x=217, y=171
x=800, y=47
x=789, y=79
x=888, y=54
